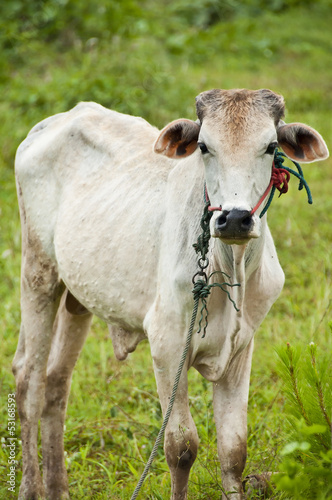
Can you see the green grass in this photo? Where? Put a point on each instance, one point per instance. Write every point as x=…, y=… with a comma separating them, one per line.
x=155, y=71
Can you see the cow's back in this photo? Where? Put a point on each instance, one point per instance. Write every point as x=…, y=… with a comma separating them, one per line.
x=93, y=192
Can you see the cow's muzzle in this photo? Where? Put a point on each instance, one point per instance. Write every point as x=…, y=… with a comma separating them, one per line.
x=234, y=226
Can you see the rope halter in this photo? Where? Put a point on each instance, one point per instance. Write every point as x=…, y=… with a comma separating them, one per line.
x=280, y=177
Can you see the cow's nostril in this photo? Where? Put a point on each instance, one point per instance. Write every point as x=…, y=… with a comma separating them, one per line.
x=222, y=219
x=246, y=223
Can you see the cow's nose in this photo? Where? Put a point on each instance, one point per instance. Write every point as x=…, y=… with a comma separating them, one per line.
x=234, y=223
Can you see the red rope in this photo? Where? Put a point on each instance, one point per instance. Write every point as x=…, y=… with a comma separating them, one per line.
x=264, y=196
x=279, y=179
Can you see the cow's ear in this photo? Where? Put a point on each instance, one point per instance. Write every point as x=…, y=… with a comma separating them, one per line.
x=301, y=142
x=178, y=139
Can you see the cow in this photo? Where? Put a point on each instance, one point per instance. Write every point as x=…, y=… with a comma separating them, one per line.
x=110, y=207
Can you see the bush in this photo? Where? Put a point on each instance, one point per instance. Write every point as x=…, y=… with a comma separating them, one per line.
x=306, y=466
x=69, y=21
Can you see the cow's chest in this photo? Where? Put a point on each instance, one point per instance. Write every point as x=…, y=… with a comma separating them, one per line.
x=227, y=335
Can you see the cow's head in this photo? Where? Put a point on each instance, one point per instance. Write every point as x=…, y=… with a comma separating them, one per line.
x=237, y=133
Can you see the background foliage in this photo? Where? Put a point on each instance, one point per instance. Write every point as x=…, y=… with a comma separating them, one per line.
x=150, y=59
x=306, y=460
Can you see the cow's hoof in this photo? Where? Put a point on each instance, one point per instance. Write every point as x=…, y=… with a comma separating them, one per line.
x=31, y=491
x=57, y=494
x=258, y=485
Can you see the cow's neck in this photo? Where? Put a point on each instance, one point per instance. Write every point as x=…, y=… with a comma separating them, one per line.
x=238, y=261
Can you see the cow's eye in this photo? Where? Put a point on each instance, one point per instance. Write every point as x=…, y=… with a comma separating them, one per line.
x=271, y=148
x=203, y=148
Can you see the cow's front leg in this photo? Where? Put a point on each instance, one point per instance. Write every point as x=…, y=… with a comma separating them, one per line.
x=230, y=401
x=181, y=439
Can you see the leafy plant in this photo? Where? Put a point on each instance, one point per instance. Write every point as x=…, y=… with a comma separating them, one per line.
x=306, y=467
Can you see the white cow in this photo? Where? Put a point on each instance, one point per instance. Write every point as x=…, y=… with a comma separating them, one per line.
x=109, y=215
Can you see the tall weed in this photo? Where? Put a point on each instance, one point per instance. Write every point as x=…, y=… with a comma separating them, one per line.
x=306, y=466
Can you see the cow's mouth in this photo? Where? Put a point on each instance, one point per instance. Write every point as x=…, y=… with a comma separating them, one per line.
x=236, y=240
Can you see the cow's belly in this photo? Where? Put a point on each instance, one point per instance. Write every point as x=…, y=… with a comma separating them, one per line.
x=107, y=294
x=107, y=253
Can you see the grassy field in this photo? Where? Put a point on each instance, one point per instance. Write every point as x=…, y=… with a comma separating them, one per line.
x=154, y=66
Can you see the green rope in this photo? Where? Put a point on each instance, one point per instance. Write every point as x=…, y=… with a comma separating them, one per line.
x=202, y=290
x=202, y=244
x=279, y=159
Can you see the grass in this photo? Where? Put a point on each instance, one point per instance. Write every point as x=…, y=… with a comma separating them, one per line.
x=114, y=413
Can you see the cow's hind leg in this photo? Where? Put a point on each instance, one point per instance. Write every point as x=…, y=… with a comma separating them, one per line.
x=40, y=291
x=181, y=439
x=71, y=329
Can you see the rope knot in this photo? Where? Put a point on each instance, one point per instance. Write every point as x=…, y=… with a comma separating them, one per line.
x=280, y=178
x=201, y=290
